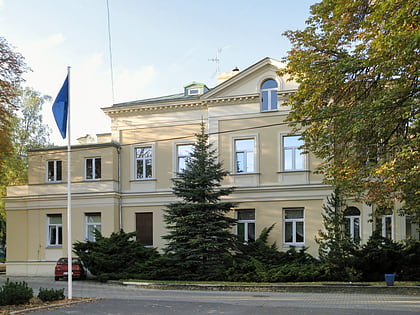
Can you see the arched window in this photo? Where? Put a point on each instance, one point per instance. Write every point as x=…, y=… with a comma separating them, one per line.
x=352, y=223
x=269, y=95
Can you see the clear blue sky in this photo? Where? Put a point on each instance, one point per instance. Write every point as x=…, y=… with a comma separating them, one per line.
x=157, y=46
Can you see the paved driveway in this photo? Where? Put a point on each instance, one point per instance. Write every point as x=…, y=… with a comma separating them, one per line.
x=117, y=299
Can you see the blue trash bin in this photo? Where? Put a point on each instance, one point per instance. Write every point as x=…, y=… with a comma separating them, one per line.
x=389, y=279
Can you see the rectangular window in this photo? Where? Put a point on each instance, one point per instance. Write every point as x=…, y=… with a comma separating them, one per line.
x=293, y=227
x=385, y=225
x=55, y=233
x=93, y=223
x=293, y=159
x=144, y=160
x=93, y=168
x=54, y=171
x=352, y=226
x=244, y=156
x=144, y=228
x=183, y=152
x=245, y=228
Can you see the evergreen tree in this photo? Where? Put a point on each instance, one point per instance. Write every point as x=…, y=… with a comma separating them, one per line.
x=336, y=248
x=200, y=237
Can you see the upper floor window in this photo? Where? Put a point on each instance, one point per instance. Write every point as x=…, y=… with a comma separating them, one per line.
x=293, y=159
x=55, y=233
x=93, y=168
x=245, y=228
x=54, y=170
x=352, y=223
x=269, y=95
x=93, y=223
x=144, y=160
x=244, y=156
x=293, y=226
x=183, y=152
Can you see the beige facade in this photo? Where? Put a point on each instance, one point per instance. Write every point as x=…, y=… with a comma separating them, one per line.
x=244, y=116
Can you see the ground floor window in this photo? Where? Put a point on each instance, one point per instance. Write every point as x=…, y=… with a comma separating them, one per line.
x=55, y=230
x=293, y=226
x=92, y=224
x=245, y=228
x=144, y=228
x=352, y=223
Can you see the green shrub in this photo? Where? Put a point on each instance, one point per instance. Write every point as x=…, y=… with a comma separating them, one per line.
x=15, y=293
x=50, y=294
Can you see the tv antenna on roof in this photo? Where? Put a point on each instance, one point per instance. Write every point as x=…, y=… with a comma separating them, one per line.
x=217, y=60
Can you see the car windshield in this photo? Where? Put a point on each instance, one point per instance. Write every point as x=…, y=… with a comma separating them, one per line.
x=64, y=261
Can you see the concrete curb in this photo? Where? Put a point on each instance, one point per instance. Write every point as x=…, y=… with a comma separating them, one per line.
x=321, y=288
x=52, y=306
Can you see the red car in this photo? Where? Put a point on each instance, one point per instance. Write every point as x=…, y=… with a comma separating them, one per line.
x=61, y=269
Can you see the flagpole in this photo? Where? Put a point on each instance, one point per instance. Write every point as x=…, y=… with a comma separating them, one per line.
x=69, y=244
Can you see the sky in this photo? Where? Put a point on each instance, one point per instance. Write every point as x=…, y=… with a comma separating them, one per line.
x=157, y=47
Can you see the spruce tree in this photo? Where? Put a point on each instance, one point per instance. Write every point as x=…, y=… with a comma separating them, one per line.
x=336, y=248
x=200, y=235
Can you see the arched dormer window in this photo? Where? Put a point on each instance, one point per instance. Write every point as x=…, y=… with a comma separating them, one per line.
x=352, y=223
x=269, y=95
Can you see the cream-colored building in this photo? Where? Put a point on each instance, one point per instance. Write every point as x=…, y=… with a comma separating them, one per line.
x=122, y=180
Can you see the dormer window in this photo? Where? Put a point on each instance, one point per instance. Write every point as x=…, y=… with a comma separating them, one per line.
x=193, y=91
x=269, y=95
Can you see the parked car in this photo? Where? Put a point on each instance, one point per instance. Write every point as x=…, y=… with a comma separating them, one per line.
x=61, y=269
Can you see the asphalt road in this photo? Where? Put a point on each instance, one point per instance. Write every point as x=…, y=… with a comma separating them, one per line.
x=117, y=299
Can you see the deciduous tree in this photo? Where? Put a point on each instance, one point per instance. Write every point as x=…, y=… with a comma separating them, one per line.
x=357, y=105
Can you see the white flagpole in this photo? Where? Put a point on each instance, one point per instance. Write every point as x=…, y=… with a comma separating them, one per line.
x=69, y=244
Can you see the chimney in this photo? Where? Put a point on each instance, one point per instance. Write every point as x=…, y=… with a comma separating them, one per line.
x=227, y=75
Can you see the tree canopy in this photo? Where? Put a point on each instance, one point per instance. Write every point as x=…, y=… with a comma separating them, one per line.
x=357, y=65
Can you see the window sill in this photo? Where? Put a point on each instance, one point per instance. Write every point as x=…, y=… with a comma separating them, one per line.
x=93, y=180
x=293, y=171
x=143, y=180
x=54, y=182
x=54, y=247
x=239, y=174
x=269, y=110
x=288, y=245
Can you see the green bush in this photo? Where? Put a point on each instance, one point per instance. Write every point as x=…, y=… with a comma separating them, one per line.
x=50, y=294
x=15, y=293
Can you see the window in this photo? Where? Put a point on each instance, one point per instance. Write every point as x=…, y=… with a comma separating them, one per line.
x=269, y=95
x=385, y=224
x=93, y=168
x=144, y=157
x=183, y=151
x=387, y=227
x=245, y=228
x=352, y=223
x=293, y=159
x=54, y=171
x=55, y=233
x=144, y=228
x=93, y=223
x=244, y=155
x=193, y=91
x=293, y=228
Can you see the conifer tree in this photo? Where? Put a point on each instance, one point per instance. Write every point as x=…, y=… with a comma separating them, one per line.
x=200, y=235
x=336, y=248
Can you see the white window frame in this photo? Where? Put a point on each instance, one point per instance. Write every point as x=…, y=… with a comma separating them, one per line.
x=55, y=173
x=95, y=225
x=194, y=91
x=94, y=161
x=152, y=150
x=246, y=224
x=177, y=169
x=254, y=151
x=295, y=152
x=351, y=220
x=57, y=228
x=268, y=92
x=383, y=220
x=294, y=229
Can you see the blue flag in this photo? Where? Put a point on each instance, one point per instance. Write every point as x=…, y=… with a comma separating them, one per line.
x=60, y=108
